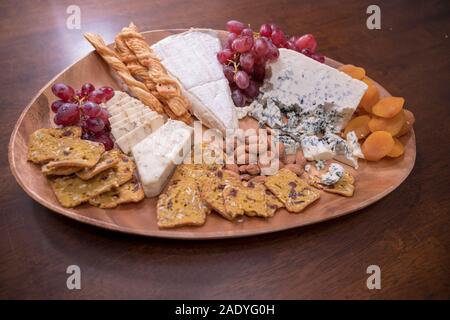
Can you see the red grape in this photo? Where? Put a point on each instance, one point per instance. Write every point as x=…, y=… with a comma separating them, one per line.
x=103, y=114
x=272, y=53
x=259, y=72
x=306, y=41
x=68, y=114
x=242, y=80
x=293, y=39
x=63, y=91
x=260, y=47
x=230, y=38
x=95, y=124
x=87, y=88
x=235, y=26
x=238, y=98
x=318, y=57
x=265, y=30
x=224, y=55
x=246, y=61
x=252, y=90
x=108, y=93
x=96, y=96
x=247, y=32
x=278, y=38
x=90, y=109
x=104, y=137
x=56, y=104
x=228, y=71
x=87, y=136
x=274, y=27
x=242, y=44
x=291, y=45
x=306, y=52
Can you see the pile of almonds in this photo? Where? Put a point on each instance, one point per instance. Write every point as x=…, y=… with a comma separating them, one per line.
x=247, y=153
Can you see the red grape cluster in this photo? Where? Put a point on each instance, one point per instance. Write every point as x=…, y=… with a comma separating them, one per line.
x=246, y=52
x=82, y=108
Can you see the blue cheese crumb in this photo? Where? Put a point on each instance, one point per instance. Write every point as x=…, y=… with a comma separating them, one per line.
x=334, y=174
x=320, y=164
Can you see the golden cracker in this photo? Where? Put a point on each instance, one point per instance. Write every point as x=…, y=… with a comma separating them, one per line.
x=292, y=191
x=72, y=191
x=181, y=205
x=108, y=160
x=131, y=191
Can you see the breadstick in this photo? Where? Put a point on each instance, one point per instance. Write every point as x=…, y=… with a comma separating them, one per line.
x=136, y=87
x=168, y=88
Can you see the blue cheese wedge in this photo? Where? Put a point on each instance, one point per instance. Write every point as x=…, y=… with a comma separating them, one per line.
x=190, y=57
x=296, y=80
x=315, y=148
x=158, y=154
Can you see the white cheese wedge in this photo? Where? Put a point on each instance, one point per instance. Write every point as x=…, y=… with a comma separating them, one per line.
x=298, y=80
x=158, y=154
x=191, y=58
x=130, y=104
x=123, y=127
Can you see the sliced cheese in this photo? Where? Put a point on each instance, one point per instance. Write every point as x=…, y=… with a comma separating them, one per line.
x=126, y=113
x=130, y=139
x=121, y=128
x=191, y=58
x=157, y=155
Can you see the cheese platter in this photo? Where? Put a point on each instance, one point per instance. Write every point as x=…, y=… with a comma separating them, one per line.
x=123, y=156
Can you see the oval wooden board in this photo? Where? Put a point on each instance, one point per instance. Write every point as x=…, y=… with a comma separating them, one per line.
x=373, y=180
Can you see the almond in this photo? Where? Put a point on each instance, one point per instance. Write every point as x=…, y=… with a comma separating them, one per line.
x=253, y=169
x=299, y=158
x=259, y=179
x=298, y=170
x=232, y=167
x=245, y=176
x=290, y=159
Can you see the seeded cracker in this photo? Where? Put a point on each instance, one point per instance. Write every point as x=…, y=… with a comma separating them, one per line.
x=72, y=191
x=131, y=191
x=294, y=192
x=59, y=171
x=344, y=187
x=108, y=160
x=45, y=146
x=181, y=205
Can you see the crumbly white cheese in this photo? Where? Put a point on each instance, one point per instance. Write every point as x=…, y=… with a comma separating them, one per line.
x=334, y=174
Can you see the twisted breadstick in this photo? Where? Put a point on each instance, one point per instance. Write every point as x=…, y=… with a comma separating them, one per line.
x=136, y=87
x=136, y=69
x=169, y=91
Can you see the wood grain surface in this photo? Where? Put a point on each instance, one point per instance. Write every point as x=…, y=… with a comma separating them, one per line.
x=406, y=233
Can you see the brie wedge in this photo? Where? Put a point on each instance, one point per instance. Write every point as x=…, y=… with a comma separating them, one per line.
x=191, y=58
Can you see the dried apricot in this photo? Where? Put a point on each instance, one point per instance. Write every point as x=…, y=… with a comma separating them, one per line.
x=391, y=125
x=388, y=107
x=397, y=150
x=409, y=121
x=353, y=71
x=377, y=145
x=371, y=97
x=360, y=125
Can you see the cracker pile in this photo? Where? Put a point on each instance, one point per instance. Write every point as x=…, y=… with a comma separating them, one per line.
x=196, y=190
x=81, y=171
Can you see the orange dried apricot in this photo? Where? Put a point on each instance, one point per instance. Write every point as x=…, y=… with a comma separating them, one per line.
x=391, y=125
x=388, y=107
x=353, y=71
x=371, y=97
x=409, y=121
x=360, y=125
x=377, y=145
x=397, y=150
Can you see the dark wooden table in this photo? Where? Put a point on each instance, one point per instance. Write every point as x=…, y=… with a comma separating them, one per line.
x=406, y=233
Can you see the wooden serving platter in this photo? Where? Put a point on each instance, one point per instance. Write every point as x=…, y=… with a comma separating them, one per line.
x=374, y=180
